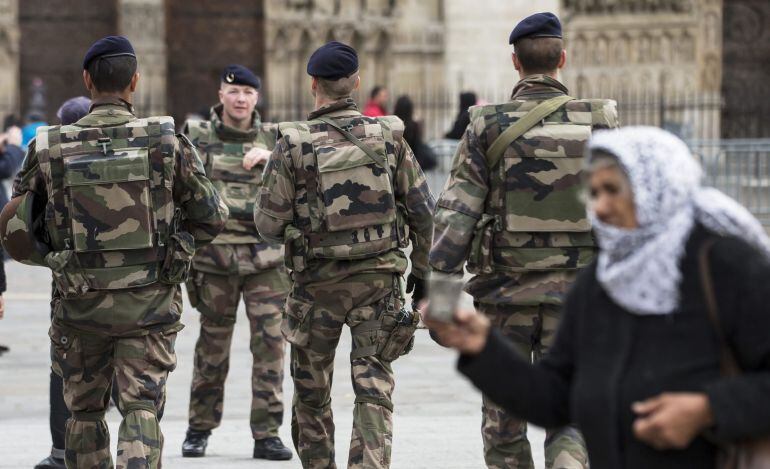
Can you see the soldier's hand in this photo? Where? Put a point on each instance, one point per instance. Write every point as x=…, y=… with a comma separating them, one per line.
x=254, y=157
x=416, y=286
x=2, y=306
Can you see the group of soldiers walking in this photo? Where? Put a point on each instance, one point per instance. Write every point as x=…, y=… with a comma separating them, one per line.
x=308, y=222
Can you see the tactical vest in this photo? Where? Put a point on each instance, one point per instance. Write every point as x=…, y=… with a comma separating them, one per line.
x=237, y=187
x=535, y=217
x=351, y=205
x=110, y=205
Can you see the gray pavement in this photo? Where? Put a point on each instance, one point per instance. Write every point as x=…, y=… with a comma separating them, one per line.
x=436, y=419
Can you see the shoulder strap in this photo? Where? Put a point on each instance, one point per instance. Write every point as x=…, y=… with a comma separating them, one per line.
x=727, y=359
x=364, y=147
x=521, y=126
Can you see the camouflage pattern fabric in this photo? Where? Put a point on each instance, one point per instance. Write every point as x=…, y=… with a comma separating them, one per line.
x=86, y=363
x=238, y=263
x=315, y=253
x=520, y=225
x=156, y=306
x=523, y=230
x=531, y=329
x=217, y=298
x=321, y=312
x=222, y=148
x=128, y=332
x=336, y=284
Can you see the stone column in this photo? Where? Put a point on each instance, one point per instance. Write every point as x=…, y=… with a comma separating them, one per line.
x=144, y=23
x=9, y=57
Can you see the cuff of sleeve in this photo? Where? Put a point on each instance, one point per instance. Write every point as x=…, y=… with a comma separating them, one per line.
x=727, y=415
x=476, y=366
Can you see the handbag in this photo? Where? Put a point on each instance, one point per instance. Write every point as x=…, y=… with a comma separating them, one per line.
x=749, y=454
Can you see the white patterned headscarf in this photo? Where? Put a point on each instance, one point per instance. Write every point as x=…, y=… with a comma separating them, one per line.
x=640, y=268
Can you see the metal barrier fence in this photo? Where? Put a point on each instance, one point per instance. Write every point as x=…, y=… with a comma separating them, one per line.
x=739, y=168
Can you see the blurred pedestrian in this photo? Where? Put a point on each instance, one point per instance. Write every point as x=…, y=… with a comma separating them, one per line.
x=70, y=112
x=642, y=358
x=378, y=99
x=11, y=156
x=404, y=110
x=34, y=120
x=463, y=118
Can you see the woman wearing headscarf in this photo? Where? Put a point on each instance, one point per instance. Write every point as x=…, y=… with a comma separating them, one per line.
x=404, y=110
x=467, y=99
x=636, y=361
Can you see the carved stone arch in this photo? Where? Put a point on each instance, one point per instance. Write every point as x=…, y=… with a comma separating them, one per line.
x=620, y=48
x=280, y=44
x=713, y=29
x=645, y=48
x=666, y=47
x=578, y=50
x=601, y=51
x=583, y=87
x=330, y=36
x=686, y=48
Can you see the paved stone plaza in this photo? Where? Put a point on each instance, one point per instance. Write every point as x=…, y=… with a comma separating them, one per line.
x=437, y=413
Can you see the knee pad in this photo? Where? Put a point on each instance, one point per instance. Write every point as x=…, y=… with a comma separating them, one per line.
x=379, y=401
x=137, y=406
x=96, y=416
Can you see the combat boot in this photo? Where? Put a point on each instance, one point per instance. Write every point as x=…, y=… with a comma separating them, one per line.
x=52, y=462
x=195, y=443
x=271, y=448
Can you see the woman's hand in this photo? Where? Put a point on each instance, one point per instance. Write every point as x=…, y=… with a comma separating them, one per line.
x=672, y=420
x=467, y=333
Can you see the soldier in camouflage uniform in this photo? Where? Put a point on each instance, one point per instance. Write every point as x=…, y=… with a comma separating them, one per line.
x=346, y=195
x=234, y=145
x=117, y=205
x=512, y=209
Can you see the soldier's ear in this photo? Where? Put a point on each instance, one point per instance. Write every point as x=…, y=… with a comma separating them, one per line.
x=87, y=80
x=134, y=81
x=516, y=63
x=562, y=59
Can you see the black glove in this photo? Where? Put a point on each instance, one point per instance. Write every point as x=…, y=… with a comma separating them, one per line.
x=435, y=338
x=416, y=286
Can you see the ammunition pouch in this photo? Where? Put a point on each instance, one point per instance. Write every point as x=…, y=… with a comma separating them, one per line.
x=68, y=274
x=392, y=334
x=296, y=321
x=179, y=254
x=295, y=249
x=480, y=256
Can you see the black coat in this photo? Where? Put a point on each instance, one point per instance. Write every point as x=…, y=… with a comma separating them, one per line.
x=605, y=358
x=10, y=161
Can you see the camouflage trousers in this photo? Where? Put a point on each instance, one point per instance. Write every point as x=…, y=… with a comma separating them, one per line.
x=318, y=315
x=217, y=298
x=532, y=330
x=87, y=363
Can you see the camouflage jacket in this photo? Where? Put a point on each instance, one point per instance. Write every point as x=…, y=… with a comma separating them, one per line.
x=283, y=205
x=143, y=309
x=474, y=195
x=220, y=147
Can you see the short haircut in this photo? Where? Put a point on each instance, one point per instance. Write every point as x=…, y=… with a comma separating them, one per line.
x=112, y=74
x=375, y=91
x=539, y=54
x=337, y=89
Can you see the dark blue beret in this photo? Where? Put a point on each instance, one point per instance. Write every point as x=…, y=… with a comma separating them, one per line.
x=537, y=25
x=110, y=46
x=240, y=75
x=333, y=60
x=73, y=110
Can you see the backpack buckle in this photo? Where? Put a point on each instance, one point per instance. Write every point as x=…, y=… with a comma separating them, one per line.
x=104, y=142
x=347, y=127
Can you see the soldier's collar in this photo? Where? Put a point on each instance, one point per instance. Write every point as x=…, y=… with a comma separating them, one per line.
x=111, y=101
x=343, y=104
x=227, y=133
x=538, y=86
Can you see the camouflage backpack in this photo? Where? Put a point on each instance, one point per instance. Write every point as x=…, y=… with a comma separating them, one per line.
x=110, y=213
x=238, y=187
x=351, y=207
x=535, y=217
